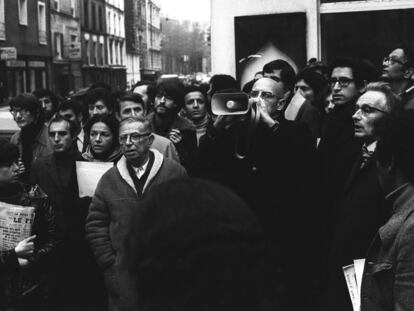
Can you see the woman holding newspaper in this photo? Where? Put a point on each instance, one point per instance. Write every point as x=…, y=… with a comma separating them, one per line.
x=28, y=238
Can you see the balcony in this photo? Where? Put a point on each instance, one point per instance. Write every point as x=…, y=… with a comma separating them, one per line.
x=42, y=37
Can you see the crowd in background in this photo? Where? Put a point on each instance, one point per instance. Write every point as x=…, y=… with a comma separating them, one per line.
x=259, y=210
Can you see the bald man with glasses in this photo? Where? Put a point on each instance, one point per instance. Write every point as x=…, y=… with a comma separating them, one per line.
x=120, y=191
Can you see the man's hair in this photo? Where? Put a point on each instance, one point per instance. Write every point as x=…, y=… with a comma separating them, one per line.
x=28, y=102
x=363, y=71
x=145, y=121
x=206, y=246
x=73, y=127
x=129, y=96
x=39, y=93
x=150, y=89
x=71, y=104
x=396, y=145
x=97, y=94
x=109, y=120
x=173, y=88
x=408, y=53
x=9, y=153
x=393, y=101
x=220, y=82
x=314, y=79
x=287, y=73
x=195, y=88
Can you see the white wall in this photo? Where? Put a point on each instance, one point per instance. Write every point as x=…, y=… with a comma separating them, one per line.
x=222, y=26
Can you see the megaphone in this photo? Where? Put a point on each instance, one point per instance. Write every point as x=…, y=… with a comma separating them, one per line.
x=230, y=103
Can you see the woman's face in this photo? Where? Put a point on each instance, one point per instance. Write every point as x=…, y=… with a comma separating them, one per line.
x=305, y=90
x=102, y=139
x=8, y=173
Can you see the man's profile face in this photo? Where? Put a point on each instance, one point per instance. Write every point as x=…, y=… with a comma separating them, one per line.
x=143, y=91
x=129, y=108
x=59, y=134
x=267, y=89
x=343, y=86
x=393, y=66
x=135, y=141
x=8, y=173
x=371, y=107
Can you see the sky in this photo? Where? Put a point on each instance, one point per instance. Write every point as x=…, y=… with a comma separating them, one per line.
x=195, y=10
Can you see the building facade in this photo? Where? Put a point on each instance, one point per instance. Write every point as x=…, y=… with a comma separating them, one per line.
x=103, y=46
x=66, y=46
x=25, y=46
x=135, y=39
x=245, y=35
x=152, y=60
x=115, y=42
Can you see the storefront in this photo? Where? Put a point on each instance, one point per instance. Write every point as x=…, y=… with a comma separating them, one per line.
x=23, y=75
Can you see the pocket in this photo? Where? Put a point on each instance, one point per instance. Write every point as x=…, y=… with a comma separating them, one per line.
x=381, y=267
x=111, y=281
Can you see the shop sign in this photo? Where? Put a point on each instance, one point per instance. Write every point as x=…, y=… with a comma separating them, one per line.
x=7, y=53
x=75, y=50
x=37, y=64
x=15, y=63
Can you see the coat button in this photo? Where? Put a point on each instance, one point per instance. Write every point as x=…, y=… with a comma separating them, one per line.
x=254, y=168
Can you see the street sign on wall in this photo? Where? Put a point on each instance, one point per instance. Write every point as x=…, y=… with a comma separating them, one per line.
x=8, y=53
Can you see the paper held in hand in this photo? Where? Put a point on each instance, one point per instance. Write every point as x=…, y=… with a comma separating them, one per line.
x=89, y=174
x=294, y=106
x=353, y=277
x=15, y=224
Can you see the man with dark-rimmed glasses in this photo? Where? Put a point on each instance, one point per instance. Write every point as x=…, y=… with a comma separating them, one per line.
x=119, y=192
x=361, y=207
x=398, y=69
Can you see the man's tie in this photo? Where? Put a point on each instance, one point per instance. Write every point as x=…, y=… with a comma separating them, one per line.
x=366, y=155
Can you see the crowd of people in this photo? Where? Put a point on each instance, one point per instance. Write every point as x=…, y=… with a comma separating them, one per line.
x=258, y=210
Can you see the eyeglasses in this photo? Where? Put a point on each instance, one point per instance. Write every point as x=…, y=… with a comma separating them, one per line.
x=367, y=109
x=343, y=82
x=392, y=61
x=262, y=94
x=14, y=112
x=134, y=137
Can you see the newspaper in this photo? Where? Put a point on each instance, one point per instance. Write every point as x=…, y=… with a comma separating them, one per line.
x=15, y=224
x=353, y=277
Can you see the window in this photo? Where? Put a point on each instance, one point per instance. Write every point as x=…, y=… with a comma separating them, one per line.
x=56, y=4
x=23, y=12
x=95, y=53
x=88, y=53
x=73, y=8
x=102, y=50
x=2, y=21
x=86, y=13
x=41, y=14
x=93, y=13
x=58, y=45
x=100, y=19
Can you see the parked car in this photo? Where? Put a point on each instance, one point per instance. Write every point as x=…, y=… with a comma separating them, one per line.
x=7, y=125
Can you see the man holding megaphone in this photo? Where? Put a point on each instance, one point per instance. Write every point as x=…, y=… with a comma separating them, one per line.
x=266, y=159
